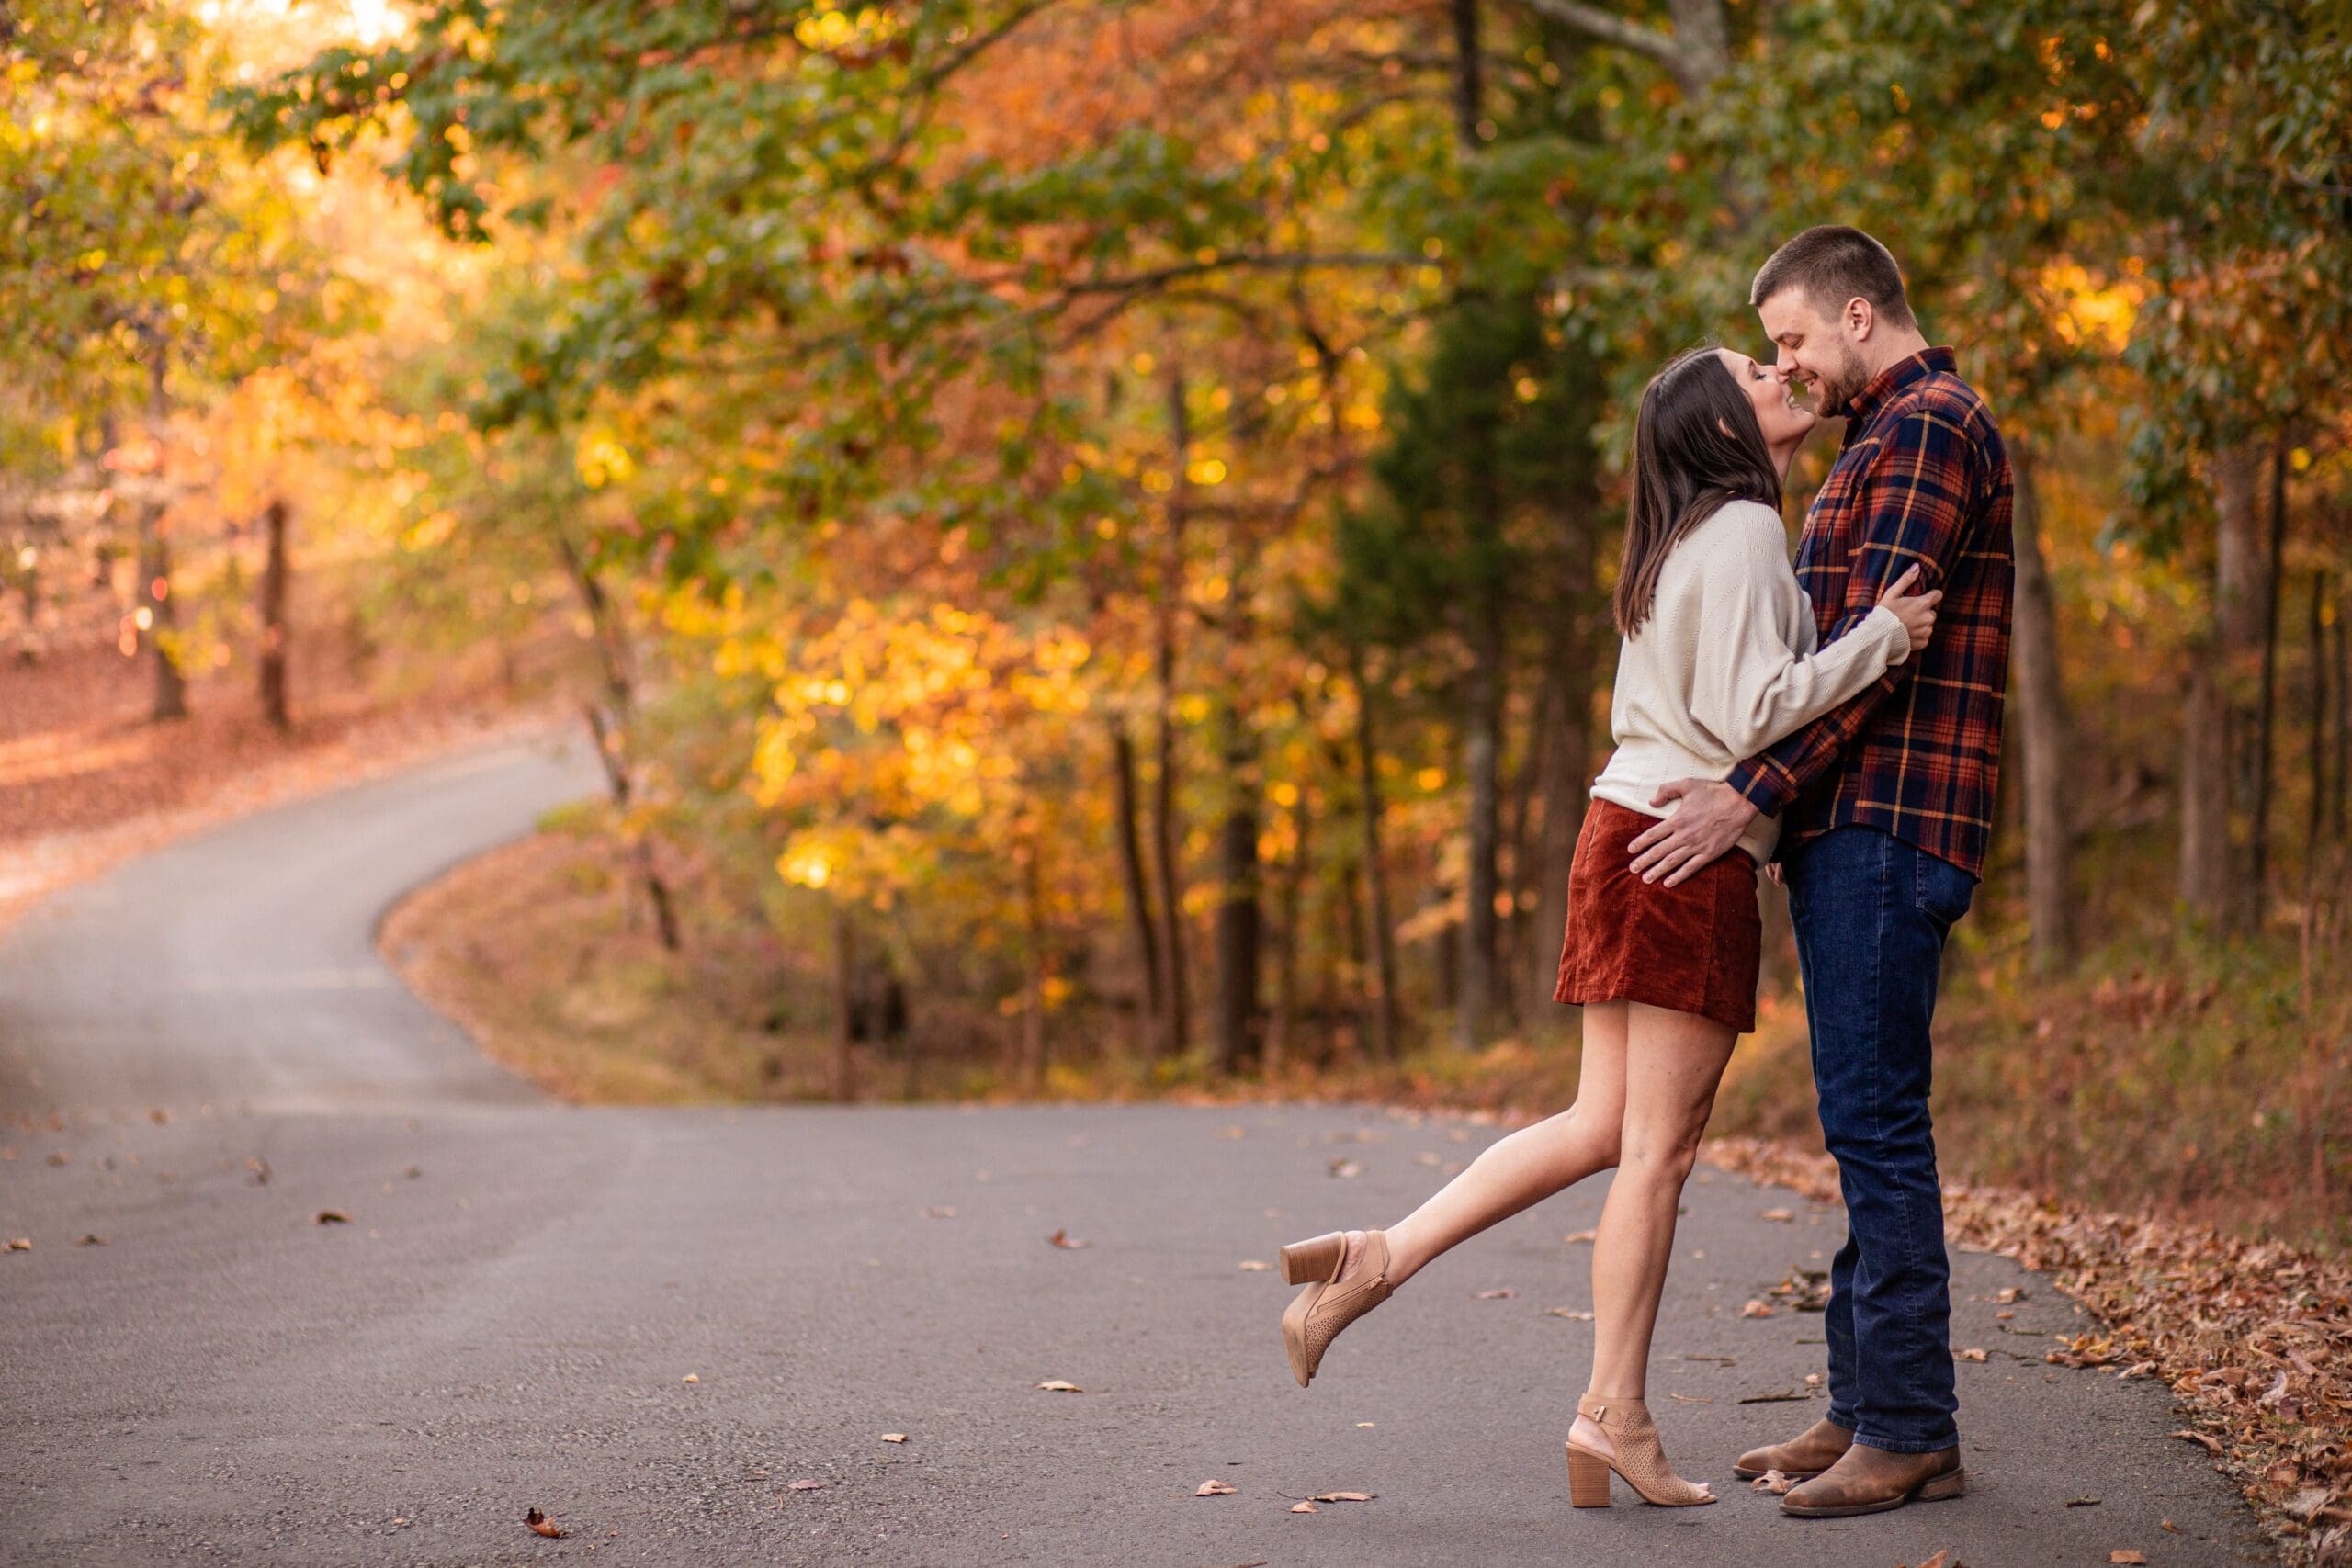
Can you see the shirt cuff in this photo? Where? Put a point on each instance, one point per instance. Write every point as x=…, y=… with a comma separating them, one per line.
x=1761, y=787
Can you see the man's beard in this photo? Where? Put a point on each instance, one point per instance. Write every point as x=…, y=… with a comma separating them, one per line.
x=1838, y=389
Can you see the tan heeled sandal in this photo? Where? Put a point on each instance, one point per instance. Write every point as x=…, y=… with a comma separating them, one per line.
x=1330, y=1302
x=1639, y=1458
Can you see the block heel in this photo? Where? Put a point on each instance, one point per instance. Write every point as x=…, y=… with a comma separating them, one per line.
x=1587, y=1479
x=1306, y=1261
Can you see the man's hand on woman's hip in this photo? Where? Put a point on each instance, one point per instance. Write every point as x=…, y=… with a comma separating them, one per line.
x=1708, y=822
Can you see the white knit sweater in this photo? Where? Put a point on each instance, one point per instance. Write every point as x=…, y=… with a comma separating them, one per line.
x=1727, y=664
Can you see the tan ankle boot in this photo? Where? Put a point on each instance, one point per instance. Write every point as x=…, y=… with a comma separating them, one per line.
x=1870, y=1480
x=1801, y=1458
x=1332, y=1299
x=1638, y=1457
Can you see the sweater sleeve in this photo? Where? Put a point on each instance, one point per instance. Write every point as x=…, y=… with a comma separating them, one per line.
x=1749, y=687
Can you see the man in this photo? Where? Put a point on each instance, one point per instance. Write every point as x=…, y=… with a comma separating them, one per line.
x=1888, y=805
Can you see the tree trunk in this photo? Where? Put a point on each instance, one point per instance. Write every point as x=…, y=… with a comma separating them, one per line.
x=156, y=555
x=609, y=725
x=1482, y=742
x=163, y=613
x=2317, y=720
x=1383, y=979
x=1032, y=970
x=2341, y=756
x=2257, y=888
x=1566, y=765
x=1468, y=75
x=2043, y=725
x=844, y=1002
x=1237, y=909
x=273, y=576
x=1176, y=1034
x=1131, y=879
x=1281, y=1028
x=2217, y=750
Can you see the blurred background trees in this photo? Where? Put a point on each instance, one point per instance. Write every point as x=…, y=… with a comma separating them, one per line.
x=1091, y=522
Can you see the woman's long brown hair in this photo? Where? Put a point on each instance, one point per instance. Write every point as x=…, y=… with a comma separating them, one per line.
x=1696, y=446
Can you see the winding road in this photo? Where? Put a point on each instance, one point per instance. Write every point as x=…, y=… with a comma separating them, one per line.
x=684, y=1334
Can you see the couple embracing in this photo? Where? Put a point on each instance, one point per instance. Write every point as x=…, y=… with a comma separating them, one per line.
x=1841, y=724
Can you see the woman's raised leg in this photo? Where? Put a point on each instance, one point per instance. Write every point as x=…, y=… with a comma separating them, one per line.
x=1527, y=1167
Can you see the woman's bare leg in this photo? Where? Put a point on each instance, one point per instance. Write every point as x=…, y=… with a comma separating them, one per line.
x=1674, y=1061
x=1532, y=1163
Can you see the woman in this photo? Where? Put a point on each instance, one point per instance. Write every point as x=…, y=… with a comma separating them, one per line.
x=1718, y=662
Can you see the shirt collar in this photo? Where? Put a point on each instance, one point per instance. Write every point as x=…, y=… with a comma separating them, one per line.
x=1901, y=374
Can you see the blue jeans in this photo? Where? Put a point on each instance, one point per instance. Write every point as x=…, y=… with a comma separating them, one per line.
x=1872, y=913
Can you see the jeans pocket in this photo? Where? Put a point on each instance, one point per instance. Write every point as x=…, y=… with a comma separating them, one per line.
x=1940, y=890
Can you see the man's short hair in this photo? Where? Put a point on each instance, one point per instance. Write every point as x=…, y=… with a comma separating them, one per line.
x=1832, y=264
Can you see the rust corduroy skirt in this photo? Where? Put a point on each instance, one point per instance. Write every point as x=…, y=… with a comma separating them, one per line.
x=1693, y=948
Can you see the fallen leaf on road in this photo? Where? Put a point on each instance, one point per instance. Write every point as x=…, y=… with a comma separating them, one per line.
x=1344, y=1496
x=1234, y=1131
x=1814, y=1380
x=333, y=1217
x=1367, y=1422
x=260, y=1167
x=690, y=1377
x=894, y=1437
x=2010, y=1295
x=1935, y=1561
x=2169, y=1526
x=159, y=1117
x=21, y=1243
x=1344, y=1167
x=1567, y=1312
x=1575, y=1236
x=1784, y=1397
x=2306, y=1504
x=941, y=1211
x=1968, y=1355
x=94, y=1241
x=542, y=1524
x=805, y=1485
x=1216, y=1489
x=1781, y=1216
x=2124, y=1555
x=1690, y=1398
x=1501, y=1295
x=1756, y=1308
x=2082, y=1502
x=2005, y=1316
x=1255, y=1266
x=2211, y=1445
x=1771, y=1481
x=1305, y=1508
x=1061, y=1239
x=1425, y=1157
x=1057, y=1386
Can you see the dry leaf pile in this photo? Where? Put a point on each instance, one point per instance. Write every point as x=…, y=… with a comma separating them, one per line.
x=2253, y=1338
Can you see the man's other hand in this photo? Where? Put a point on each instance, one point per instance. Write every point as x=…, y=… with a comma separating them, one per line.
x=1708, y=820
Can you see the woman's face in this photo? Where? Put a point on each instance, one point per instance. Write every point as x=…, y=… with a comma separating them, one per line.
x=1784, y=422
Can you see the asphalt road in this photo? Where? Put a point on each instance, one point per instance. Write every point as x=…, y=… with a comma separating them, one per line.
x=653, y=1324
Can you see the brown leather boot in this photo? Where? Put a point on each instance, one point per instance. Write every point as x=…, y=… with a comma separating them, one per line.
x=1801, y=1457
x=1870, y=1480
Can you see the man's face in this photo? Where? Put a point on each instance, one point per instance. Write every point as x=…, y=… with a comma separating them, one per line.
x=1816, y=352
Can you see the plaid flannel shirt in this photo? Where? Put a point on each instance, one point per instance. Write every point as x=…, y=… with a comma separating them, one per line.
x=1922, y=478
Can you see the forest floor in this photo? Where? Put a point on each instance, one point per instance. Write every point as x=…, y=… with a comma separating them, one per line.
x=2157, y=1141
x=88, y=779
